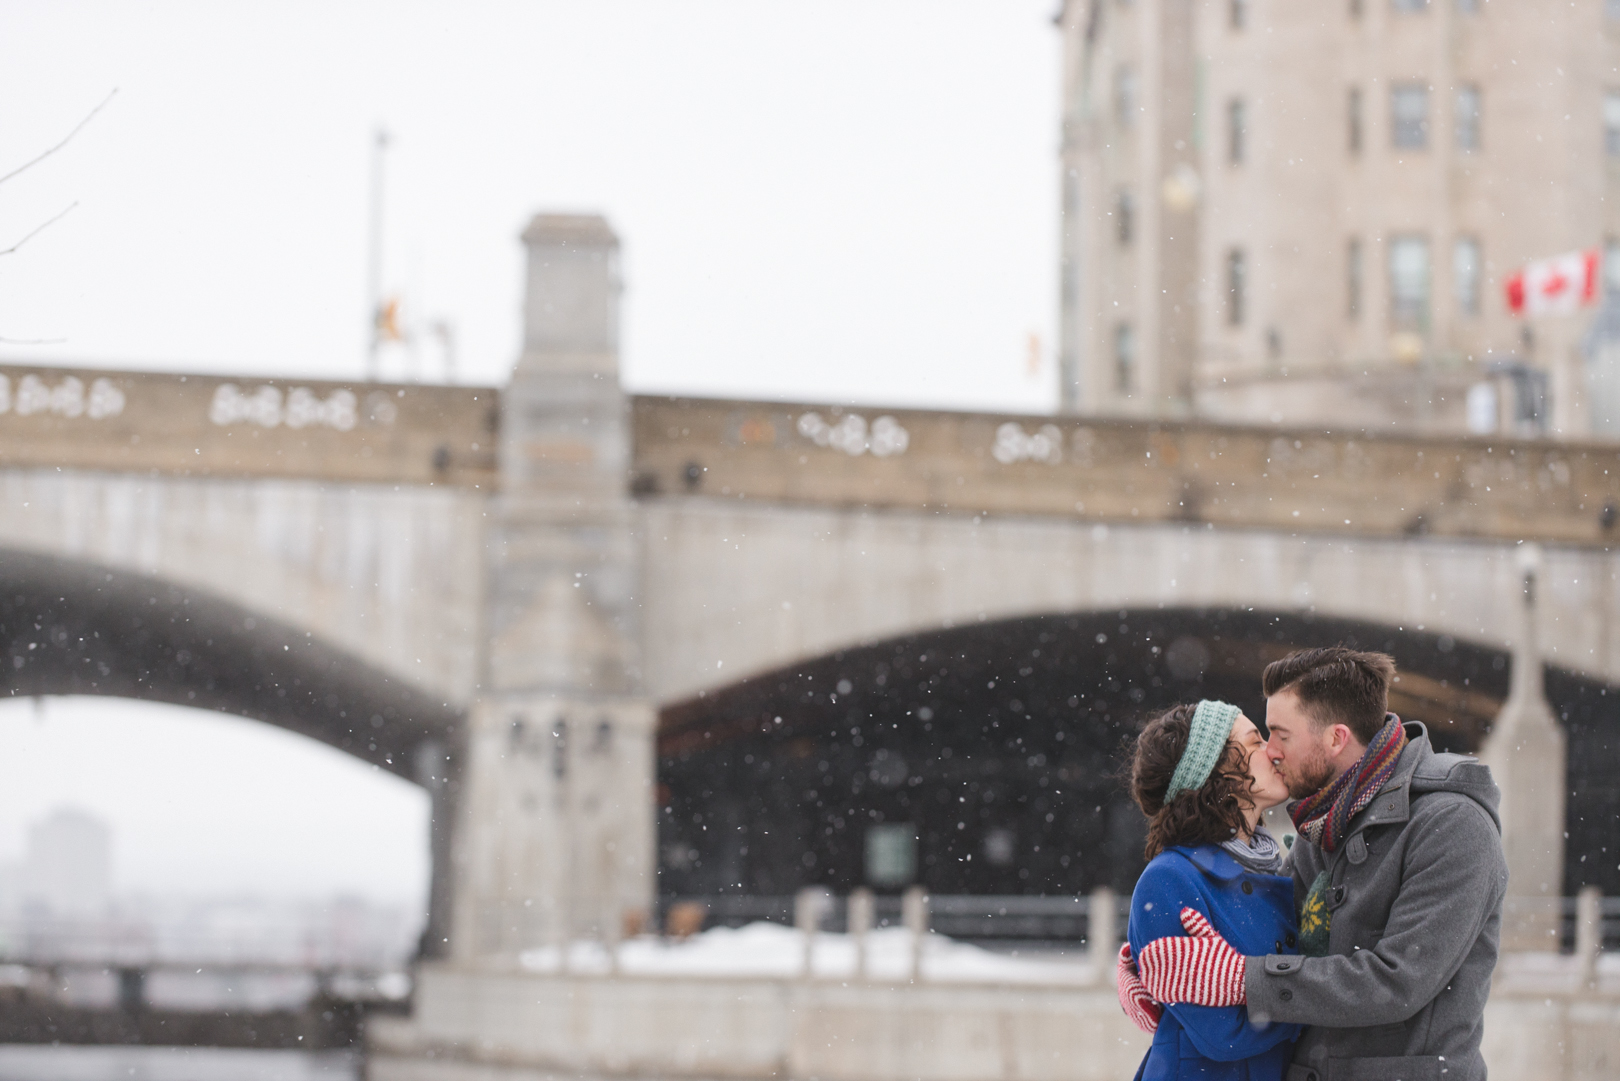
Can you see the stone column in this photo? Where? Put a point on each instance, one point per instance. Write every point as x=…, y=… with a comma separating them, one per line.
x=557, y=805
x=436, y=770
x=1526, y=753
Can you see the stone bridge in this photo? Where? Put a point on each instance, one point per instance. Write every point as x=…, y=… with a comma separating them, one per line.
x=541, y=601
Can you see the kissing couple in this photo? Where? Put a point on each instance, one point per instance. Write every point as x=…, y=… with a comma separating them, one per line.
x=1362, y=953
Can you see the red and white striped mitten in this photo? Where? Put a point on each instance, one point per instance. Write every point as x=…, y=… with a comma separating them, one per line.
x=1202, y=969
x=1133, y=997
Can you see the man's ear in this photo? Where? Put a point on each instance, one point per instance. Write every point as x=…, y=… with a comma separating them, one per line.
x=1339, y=738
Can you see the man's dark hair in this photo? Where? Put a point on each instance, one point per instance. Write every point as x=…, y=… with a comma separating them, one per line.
x=1336, y=685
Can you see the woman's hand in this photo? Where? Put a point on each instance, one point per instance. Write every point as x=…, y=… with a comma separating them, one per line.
x=1202, y=969
x=1133, y=997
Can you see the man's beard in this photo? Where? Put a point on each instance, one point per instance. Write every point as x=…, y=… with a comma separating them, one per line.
x=1309, y=777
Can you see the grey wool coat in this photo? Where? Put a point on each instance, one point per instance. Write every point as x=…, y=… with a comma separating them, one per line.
x=1415, y=895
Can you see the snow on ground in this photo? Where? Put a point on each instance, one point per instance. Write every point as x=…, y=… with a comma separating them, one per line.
x=1554, y=973
x=772, y=950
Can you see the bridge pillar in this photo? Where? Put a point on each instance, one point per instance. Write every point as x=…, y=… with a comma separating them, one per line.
x=1526, y=753
x=556, y=828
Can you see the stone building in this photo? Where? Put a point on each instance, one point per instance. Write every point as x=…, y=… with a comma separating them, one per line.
x=1304, y=213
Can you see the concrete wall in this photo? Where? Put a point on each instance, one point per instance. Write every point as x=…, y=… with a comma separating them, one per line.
x=1559, y=1037
x=241, y=426
x=1342, y=482
x=490, y=1026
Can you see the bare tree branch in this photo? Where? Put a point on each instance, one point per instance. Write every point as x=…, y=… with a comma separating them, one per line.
x=91, y=116
x=38, y=230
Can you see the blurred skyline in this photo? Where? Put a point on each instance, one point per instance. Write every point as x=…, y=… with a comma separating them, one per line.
x=850, y=201
x=205, y=804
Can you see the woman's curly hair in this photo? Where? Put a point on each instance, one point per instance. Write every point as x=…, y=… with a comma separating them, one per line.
x=1209, y=814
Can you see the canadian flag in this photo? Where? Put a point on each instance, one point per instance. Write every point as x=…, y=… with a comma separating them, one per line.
x=1555, y=286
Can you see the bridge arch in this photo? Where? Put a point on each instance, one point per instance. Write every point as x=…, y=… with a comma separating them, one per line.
x=388, y=574
x=74, y=627
x=737, y=590
x=997, y=745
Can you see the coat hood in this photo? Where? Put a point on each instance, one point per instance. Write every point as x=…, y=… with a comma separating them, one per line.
x=1423, y=769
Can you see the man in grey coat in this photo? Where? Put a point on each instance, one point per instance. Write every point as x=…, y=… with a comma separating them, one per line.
x=1399, y=877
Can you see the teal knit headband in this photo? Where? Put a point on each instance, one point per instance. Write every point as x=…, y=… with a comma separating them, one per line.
x=1211, y=727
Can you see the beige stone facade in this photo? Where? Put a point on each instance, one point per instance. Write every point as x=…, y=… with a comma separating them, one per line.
x=1305, y=213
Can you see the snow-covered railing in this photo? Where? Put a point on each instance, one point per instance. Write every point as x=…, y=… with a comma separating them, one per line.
x=1591, y=923
x=911, y=936
x=1063, y=919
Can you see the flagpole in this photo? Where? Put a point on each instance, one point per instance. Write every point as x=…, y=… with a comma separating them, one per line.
x=379, y=147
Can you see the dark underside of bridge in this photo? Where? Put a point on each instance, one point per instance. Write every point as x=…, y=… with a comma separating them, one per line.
x=71, y=627
x=986, y=759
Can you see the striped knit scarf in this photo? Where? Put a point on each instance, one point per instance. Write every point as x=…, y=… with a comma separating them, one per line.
x=1323, y=818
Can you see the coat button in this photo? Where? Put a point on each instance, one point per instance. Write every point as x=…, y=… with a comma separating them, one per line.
x=1248, y=887
x=1286, y=996
x=1279, y=947
x=1291, y=939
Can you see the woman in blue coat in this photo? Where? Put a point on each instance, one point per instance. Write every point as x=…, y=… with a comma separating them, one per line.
x=1201, y=775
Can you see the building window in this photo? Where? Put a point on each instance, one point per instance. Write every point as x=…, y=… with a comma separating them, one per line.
x=1611, y=269
x=1409, y=115
x=1238, y=13
x=1611, y=9
x=1236, y=133
x=891, y=854
x=1467, y=118
x=1124, y=357
x=1482, y=409
x=1124, y=218
x=1411, y=5
x=1611, y=123
x=1352, y=279
x=1355, y=9
x=1125, y=96
x=1353, y=119
x=1409, y=282
x=1468, y=7
x=1237, y=275
x=1465, y=275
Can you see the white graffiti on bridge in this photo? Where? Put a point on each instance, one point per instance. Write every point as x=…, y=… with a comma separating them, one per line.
x=69, y=398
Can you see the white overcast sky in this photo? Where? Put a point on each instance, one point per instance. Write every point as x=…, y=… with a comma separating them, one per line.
x=208, y=804
x=841, y=200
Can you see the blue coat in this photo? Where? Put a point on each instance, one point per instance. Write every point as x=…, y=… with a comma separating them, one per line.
x=1255, y=913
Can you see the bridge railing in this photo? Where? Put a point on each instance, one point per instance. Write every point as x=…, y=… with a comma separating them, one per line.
x=1590, y=915
x=135, y=944
x=1060, y=920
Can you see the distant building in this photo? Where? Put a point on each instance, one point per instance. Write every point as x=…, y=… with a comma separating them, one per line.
x=1304, y=213
x=67, y=869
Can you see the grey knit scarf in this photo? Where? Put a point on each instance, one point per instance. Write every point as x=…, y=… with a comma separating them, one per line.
x=1261, y=854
